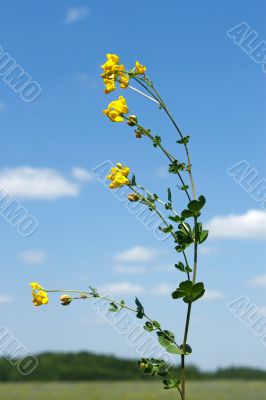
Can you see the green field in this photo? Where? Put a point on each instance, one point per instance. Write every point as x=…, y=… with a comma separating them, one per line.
x=212, y=390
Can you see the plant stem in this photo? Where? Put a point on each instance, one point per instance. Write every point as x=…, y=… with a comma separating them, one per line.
x=183, y=371
x=88, y=295
x=168, y=155
x=164, y=107
x=156, y=96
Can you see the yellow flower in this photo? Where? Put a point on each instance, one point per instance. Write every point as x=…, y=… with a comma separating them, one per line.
x=118, y=176
x=118, y=69
x=140, y=69
x=109, y=85
x=40, y=297
x=124, y=81
x=112, y=60
x=113, y=71
x=116, y=109
x=36, y=286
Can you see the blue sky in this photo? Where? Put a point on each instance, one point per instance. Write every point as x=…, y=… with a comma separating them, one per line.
x=86, y=236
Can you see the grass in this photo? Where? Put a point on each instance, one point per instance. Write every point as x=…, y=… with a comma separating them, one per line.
x=214, y=390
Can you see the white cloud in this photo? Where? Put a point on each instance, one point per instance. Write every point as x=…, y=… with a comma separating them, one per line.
x=33, y=257
x=5, y=298
x=75, y=14
x=137, y=253
x=3, y=107
x=258, y=281
x=213, y=295
x=81, y=174
x=162, y=290
x=37, y=183
x=129, y=269
x=122, y=288
x=251, y=225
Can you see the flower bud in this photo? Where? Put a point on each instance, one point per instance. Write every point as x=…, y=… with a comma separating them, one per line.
x=133, y=197
x=65, y=299
x=132, y=120
x=142, y=365
x=138, y=134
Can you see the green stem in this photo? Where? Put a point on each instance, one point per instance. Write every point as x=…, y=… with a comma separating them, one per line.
x=183, y=372
x=168, y=155
x=88, y=295
x=171, y=208
x=157, y=97
x=153, y=207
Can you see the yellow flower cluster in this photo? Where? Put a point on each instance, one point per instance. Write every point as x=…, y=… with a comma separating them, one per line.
x=115, y=72
x=116, y=109
x=39, y=295
x=118, y=176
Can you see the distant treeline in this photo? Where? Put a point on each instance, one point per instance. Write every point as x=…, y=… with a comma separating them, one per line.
x=85, y=366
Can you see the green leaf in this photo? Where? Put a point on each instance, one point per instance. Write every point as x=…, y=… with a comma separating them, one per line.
x=189, y=292
x=167, y=229
x=169, y=335
x=163, y=340
x=198, y=296
x=138, y=303
x=179, y=249
x=175, y=167
x=202, y=201
x=140, y=309
x=188, y=349
x=185, y=140
x=169, y=195
x=173, y=349
x=156, y=141
x=175, y=218
x=187, y=214
x=148, y=327
x=186, y=287
x=94, y=292
x=184, y=187
x=178, y=294
x=203, y=236
x=133, y=180
x=197, y=288
x=196, y=205
x=156, y=324
x=183, y=237
x=180, y=266
x=171, y=383
x=193, y=206
x=113, y=307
